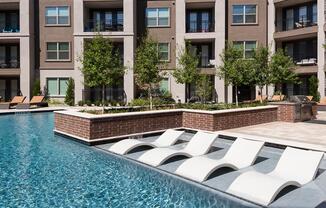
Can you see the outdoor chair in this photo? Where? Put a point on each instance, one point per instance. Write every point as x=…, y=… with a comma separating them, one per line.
x=199, y=144
x=14, y=102
x=241, y=154
x=35, y=101
x=168, y=138
x=296, y=167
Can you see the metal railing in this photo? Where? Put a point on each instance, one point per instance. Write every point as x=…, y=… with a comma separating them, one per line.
x=12, y=64
x=200, y=26
x=102, y=26
x=111, y=94
x=204, y=62
x=293, y=24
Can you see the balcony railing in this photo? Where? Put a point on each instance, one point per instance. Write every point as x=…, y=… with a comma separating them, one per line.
x=13, y=64
x=200, y=26
x=293, y=24
x=305, y=62
x=102, y=26
x=205, y=62
x=9, y=29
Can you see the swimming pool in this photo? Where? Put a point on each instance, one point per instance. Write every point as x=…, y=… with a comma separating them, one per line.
x=39, y=169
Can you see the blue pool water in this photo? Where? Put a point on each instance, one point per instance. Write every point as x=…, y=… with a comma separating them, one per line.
x=39, y=169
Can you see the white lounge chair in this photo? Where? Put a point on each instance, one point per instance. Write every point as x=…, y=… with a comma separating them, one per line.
x=241, y=154
x=199, y=144
x=168, y=138
x=296, y=167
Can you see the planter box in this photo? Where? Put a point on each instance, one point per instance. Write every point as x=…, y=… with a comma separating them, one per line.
x=95, y=128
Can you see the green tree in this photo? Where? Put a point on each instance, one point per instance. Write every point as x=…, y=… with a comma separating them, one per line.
x=36, y=88
x=313, y=88
x=281, y=66
x=70, y=93
x=261, y=70
x=235, y=70
x=204, y=88
x=101, y=64
x=147, y=66
x=187, y=70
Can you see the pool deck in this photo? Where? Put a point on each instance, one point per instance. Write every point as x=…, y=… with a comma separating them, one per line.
x=32, y=110
x=307, y=135
x=312, y=194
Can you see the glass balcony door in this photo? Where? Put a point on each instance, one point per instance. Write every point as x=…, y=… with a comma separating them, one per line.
x=105, y=20
x=9, y=21
x=199, y=21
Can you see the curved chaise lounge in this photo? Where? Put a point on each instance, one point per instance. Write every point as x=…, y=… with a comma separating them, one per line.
x=199, y=144
x=168, y=138
x=296, y=167
x=242, y=153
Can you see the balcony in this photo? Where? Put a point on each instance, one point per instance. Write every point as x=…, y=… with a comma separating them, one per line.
x=9, y=22
x=9, y=57
x=294, y=24
x=103, y=16
x=200, y=26
x=103, y=26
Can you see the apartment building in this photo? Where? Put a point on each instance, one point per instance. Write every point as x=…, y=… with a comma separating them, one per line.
x=44, y=40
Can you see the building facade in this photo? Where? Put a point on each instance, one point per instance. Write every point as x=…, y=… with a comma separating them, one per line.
x=44, y=40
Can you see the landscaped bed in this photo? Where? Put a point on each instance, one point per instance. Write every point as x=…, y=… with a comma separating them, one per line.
x=193, y=106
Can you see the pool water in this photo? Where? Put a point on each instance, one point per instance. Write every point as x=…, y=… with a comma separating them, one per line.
x=39, y=169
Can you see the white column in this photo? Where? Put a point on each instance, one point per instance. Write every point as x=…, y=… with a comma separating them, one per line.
x=129, y=15
x=129, y=44
x=25, y=66
x=178, y=90
x=78, y=78
x=321, y=49
x=78, y=19
x=26, y=47
x=220, y=16
x=128, y=80
x=270, y=39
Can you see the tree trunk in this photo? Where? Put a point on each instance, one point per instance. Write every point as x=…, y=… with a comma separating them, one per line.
x=236, y=96
x=187, y=93
x=261, y=94
x=103, y=98
x=150, y=98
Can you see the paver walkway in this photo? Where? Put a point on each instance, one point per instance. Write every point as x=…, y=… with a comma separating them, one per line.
x=302, y=134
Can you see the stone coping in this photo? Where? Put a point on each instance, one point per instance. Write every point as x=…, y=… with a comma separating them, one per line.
x=114, y=115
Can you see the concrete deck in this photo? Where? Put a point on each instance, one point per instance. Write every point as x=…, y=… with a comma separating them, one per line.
x=312, y=194
x=307, y=135
x=32, y=110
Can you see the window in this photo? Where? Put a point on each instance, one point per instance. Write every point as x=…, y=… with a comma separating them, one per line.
x=57, y=86
x=247, y=46
x=164, y=51
x=244, y=14
x=158, y=17
x=57, y=15
x=58, y=51
x=314, y=13
x=164, y=85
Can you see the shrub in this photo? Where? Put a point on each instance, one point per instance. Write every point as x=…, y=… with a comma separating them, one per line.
x=36, y=88
x=313, y=88
x=81, y=103
x=70, y=93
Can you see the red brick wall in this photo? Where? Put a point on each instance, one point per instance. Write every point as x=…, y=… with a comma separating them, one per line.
x=244, y=118
x=286, y=113
x=72, y=125
x=117, y=126
x=96, y=128
x=200, y=121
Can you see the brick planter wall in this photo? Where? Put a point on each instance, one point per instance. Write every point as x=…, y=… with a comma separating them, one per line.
x=91, y=128
x=102, y=127
x=244, y=118
x=286, y=113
